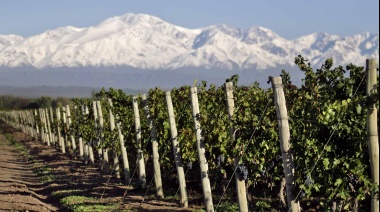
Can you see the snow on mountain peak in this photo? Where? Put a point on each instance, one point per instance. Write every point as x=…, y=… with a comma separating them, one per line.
x=148, y=42
x=133, y=19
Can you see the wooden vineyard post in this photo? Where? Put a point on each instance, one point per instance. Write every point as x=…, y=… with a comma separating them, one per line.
x=61, y=142
x=123, y=150
x=20, y=121
x=24, y=121
x=372, y=130
x=101, y=128
x=81, y=148
x=46, y=120
x=44, y=127
x=240, y=184
x=54, y=138
x=33, y=122
x=80, y=139
x=30, y=123
x=38, y=133
x=85, y=149
x=284, y=134
x=48, y=127
x=127, y=172
x=176, y=150
x=66, y=128
x=27, y=123
x=73, y=144
x=39, y=125
x=140, y=155
x=28, y=120
x=114, y=149
x=156, y=156
x=206, y=187
x=98, y=134
x=88, y=144
x=42, y=135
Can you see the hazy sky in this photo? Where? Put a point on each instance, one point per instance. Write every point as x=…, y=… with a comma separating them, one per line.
x=288, y=18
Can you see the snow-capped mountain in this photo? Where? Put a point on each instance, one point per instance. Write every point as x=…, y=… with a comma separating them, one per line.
x=146, y=42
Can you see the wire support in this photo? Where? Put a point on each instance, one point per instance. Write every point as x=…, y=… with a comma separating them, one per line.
x=133, y=174
x=328, y=141
x=146, y=192
x=175, y=195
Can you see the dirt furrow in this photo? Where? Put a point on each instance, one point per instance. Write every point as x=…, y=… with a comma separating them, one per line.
x=18, y=183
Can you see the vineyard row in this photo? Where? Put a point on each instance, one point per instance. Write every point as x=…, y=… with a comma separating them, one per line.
x=310, y=141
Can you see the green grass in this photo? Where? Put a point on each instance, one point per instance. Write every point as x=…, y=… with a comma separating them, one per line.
x=64, y=193
x=44, y=174
x=19, y=147
x=82, y=203
x=228, y=206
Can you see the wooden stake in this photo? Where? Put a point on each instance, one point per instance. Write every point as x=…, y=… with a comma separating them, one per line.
x=60, y=138
x=73, y=144
x=101, y=126
x=156, y=156
x=176, y=151
x=284, y=133
x=206, y=187
x=123, y=150
x=372, y=130
x=240, y=184
x=89, y=144
x=48, y=127
x=115, y=153
x=140, y=155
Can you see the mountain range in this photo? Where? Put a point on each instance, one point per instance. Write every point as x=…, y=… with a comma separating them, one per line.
x=141, y=42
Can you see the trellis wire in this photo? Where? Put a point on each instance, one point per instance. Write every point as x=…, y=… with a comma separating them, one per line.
x=328, y=141
x=245, y=148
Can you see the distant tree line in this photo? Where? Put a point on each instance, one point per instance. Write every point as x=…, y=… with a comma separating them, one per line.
x=9, y=102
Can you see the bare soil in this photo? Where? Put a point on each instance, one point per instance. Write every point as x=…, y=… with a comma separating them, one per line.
x=21, y=189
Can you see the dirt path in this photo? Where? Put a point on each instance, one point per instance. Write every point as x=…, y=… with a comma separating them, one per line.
x=19, y=186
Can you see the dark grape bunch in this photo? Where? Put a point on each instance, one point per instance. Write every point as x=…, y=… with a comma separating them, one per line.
x=220, y=160
x=190, y=165
x=242, y=172
x=309, y=180
x=270, y=165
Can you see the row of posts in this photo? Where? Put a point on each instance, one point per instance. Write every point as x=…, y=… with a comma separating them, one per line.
x=67, y=143
x=26, y=122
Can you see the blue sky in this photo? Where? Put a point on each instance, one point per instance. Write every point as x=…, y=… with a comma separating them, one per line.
x=290, y=19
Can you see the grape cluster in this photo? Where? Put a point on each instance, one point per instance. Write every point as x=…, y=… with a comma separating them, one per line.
x=190, y=165
x=309, y=180
x=270, y=165
x=220, y=160
x=242, y=172
x=303, y=194
x=353, y=181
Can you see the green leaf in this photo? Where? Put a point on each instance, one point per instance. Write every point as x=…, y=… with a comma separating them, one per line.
x=358, y=109
x=326, y=163
x=338, y=182
x=336, y=161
